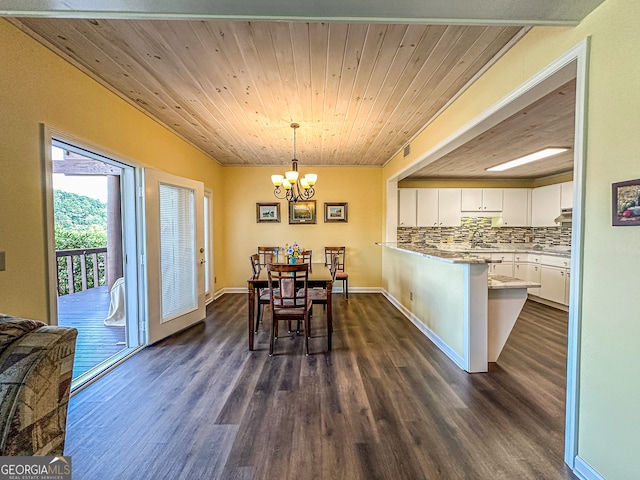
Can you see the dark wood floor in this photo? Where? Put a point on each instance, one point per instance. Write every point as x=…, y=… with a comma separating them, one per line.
x=384, y=404
x=86, y=311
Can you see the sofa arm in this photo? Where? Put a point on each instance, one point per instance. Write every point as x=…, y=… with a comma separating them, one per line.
x=35, y=380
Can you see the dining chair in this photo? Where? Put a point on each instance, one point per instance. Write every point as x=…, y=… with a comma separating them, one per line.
x=263, y=293
x=340, y=253
x=319, y=295
x=305, y=257
x=286, y=304
x=268, y=255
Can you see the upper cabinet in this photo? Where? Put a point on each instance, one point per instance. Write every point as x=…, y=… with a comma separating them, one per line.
x=449, y=202
x=566, y=195
x=407, y=207
x=428, y=207
x=545, y=205
x=482, y=199
x=515, y=210
x=428, y=204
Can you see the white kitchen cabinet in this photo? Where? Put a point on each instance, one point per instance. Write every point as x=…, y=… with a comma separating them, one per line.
x=504, y=267
x=516, y=211
x=553, y=283
x=527, y=267
x=428, y=204
x=555, y=278
x=533, y=275
x=407, y=207
x=428, y=207
x=449, y=200
x=566, y=195
x=481, y=200
x=545, y=205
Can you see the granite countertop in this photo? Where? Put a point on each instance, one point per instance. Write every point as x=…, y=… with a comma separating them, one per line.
x=557, y=250
x=497, y=282
x=449, y=256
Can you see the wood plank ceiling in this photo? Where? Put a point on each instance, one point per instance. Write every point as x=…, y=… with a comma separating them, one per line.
x=548, y=122
x=359, y=91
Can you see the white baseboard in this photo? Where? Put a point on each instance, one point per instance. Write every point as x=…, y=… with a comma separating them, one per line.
x=584, y=471
x=437, y=341
x=550, y=303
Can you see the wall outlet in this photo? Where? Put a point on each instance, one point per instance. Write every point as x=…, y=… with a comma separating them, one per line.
x=3, y=266
x=410, y=295
x=215, y=279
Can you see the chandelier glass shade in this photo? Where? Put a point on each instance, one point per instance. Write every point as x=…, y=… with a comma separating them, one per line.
x=290, y=186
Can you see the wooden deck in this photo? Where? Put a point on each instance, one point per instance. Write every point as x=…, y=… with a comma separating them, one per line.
x=86, y=311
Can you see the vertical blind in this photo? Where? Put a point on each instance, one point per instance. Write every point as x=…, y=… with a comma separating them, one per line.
x=177, y=251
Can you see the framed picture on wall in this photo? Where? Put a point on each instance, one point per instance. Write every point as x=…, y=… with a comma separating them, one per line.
x=335, y=212
x=267, y=212
x=626, y=203
x=302, y=212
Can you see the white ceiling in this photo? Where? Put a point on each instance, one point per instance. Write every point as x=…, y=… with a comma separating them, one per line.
x=361, y=91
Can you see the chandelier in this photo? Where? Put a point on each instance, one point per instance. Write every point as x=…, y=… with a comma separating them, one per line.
x=289, y=186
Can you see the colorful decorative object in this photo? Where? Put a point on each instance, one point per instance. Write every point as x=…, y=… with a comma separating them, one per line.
x=292, y=252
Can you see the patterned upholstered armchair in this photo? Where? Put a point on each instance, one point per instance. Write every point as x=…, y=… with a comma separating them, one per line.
x=36, y=364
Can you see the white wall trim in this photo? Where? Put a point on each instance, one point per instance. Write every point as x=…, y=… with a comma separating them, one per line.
x=437, y=341
x=584, y=471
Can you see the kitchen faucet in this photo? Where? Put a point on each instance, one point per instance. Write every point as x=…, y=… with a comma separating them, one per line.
x=476, y=238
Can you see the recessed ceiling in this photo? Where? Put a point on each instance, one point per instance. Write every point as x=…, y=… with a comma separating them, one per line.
x=548, y=122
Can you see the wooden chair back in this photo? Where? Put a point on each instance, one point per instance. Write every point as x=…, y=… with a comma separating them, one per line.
x=288, y=288
x=338, y=252
x=284, y=283
x=305, y=257
x=268, y=255
x=255, y=263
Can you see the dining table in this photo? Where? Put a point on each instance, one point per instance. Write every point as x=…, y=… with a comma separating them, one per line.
x=319, y=276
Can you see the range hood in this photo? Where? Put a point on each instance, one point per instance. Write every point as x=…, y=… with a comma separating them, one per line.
x=564, y=217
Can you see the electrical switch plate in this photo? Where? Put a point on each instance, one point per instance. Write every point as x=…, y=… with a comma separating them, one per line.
x=2, y=264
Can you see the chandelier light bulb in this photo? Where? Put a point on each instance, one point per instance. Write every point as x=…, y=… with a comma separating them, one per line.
x=277, y=180
x=291, y=187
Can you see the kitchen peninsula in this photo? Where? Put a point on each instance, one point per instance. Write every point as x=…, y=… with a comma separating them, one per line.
x=452, y=299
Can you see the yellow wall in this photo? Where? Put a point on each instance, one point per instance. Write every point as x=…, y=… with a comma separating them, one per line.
x=358, y=186
x=38, y=87
x=610, y=368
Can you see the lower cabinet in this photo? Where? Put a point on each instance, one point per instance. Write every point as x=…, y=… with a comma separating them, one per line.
x=504, y=267
x=555, y=284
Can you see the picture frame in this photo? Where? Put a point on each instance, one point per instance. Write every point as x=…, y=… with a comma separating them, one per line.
x=267, y=212
x=335, y=212
x=302, y=212
x=626, y=203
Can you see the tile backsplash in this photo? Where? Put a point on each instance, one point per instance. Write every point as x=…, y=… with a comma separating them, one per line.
x=560, y=235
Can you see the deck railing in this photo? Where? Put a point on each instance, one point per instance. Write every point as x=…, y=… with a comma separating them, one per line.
x=80, y=267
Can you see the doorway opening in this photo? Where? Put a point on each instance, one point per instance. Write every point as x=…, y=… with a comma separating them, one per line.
x=94, y=233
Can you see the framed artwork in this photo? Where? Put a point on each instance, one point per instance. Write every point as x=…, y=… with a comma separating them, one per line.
x=626, y=203
x=335, y=212
x=267, y=212
x=302, y=212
